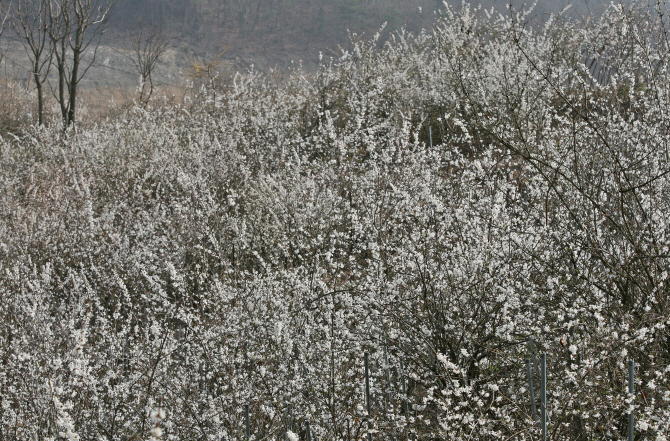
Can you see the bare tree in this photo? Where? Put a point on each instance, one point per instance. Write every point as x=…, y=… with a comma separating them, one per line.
x=30, y=21
x=3, y=20
x=145, y=47
x=75, y=25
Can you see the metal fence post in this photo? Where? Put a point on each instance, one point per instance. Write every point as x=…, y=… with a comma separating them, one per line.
x=179, y=342
x=367, y=394
x=202, y=379
x=388, y=378
x=533, y=353
x=543, y=395
x=309, y=432
x=126, y=356
x=631, y=391
x=532, y=389
x=246, y=419
x=286, y=424
x=404, y=390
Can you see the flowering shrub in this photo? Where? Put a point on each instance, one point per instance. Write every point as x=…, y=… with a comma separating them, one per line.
x=162, y=270
x=13, y=113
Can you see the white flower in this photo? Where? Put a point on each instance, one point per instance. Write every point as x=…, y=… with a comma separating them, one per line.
x=156, y=432
x=157, y=414
x=643, y=426
x=292, y=436
x=573, y=349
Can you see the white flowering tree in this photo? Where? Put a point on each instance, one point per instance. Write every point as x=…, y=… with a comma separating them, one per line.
x=436, y=201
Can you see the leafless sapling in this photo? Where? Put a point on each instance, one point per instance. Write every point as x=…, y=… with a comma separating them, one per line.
x=74, y=27
x=145, y=46
x=29, y=19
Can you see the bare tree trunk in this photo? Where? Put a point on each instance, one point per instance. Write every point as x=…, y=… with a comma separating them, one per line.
x=74, y=78
x=60, y=63
x=3, y=20
x=40, y=98
x=74, y=26
x=30, y=22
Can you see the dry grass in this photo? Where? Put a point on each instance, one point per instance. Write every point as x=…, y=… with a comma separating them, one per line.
x=18, y=104
x=14, y=113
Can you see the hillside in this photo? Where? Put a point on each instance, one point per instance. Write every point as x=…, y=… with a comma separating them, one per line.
x=262, y=33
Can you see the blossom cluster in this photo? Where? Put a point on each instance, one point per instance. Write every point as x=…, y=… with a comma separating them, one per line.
x=437, y=200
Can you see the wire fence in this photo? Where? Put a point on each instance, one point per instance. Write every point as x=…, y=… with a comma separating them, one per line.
x=534, y=369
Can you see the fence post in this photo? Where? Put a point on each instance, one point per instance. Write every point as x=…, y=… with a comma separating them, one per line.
x=246, y=419
x=388, y=376
x=533, y=353
x=580, y=356
x=309, y=432
x=286, y=423
x=126, y=354
x=179, y=341
x=290, y=418
x=201, y=374
x=532, y=389
x=631, y=391
x=305, y=372
x=404, y=389
x=367, y=394
x=543, y=394
x=430, y=136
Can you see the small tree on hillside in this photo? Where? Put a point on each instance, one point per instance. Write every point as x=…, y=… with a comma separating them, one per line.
x=3, y=20
x=144, y=48
x=74, y=26
x=30, y=21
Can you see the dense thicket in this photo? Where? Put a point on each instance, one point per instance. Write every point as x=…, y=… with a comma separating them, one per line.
x=437, y=201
